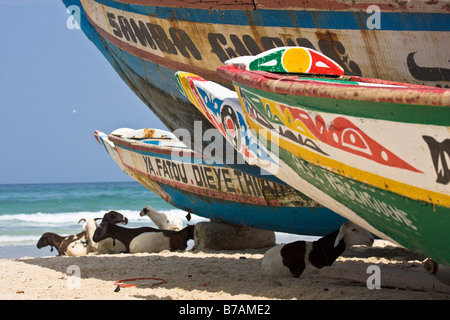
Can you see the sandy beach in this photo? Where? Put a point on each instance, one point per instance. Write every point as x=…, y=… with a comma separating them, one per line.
x=209, y=275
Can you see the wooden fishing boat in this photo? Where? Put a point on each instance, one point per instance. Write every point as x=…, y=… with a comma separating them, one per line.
x=191, y=182
x=377, y=152
x=147, y=41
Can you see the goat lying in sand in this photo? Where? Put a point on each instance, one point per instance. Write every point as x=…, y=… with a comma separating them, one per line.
x=81, y=243
x=61, y=243
x=294, y=258
x=108, y=245
x=145, y=239
x=85, y=245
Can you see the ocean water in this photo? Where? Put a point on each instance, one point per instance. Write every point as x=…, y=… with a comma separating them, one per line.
x=29, y=210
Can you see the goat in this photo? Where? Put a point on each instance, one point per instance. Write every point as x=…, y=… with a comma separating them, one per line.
x=84, y=246
x=73, y=245
x=294, y=258
x=165, y=240
x=114, y=217
x=162, y=220
x=61, y=243
x=139, y=239
x=108, y=245
x=81, y=243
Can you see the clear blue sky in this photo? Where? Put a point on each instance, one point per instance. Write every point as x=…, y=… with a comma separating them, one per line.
x=46, y=72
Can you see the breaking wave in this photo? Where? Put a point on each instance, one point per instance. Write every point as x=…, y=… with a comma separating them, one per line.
x=26, y=229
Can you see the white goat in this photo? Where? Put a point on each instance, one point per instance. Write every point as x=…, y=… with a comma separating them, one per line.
x=85, y=245
x=78, y=248
x=294, y=258
x=163, y=221
x=89, y=227
x=158, y=241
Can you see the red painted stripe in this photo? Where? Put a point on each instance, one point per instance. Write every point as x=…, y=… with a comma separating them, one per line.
x=167, y=63
x=292, y=85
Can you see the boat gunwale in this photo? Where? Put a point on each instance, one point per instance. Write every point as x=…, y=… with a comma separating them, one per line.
x=407, y=94
x=140, y=146
x=355, y=5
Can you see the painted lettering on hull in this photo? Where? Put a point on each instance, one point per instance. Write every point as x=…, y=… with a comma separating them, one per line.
x=214, y=178
x=153, y=36
x=201, y=46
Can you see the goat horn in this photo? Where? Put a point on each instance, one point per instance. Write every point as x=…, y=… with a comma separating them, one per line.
x=82, y=219
x=95, y=219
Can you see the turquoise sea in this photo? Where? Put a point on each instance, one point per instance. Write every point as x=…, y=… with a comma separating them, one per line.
x=29, y=210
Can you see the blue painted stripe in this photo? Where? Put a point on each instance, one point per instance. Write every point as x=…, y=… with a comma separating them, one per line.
x=104, y=146
x=347, y=20
x=297, y=220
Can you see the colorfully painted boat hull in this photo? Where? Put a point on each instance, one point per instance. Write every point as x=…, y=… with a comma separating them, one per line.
x=221, y=106
x=147, y=41
x=374, y=151
x=185, y=180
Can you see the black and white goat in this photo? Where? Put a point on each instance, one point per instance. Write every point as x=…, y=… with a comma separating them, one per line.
x=85, y=246
x=145, y=239
x=293, y=259
x=110, y=245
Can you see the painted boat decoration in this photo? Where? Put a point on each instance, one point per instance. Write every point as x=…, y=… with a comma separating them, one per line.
x=188, y=181
x=147, y=41
x=221, y=106
x=289, y=60
x=376, y=152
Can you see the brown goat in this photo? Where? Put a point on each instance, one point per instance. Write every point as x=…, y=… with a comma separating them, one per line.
x=61, y=243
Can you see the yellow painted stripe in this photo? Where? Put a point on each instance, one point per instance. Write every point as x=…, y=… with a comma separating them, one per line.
x=362, y=176
x=287, y=118
x=185, y=83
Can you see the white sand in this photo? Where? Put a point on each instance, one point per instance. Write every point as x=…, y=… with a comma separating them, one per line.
x=198, y=276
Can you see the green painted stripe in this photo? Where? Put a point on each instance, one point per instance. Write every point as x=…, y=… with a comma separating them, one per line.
x=332, y=80
x=406, y=113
